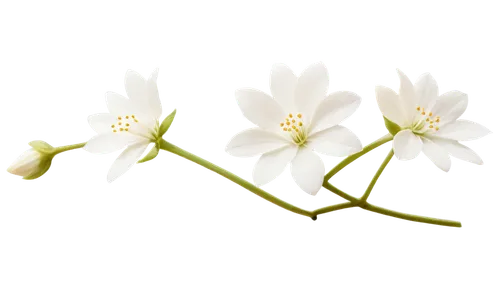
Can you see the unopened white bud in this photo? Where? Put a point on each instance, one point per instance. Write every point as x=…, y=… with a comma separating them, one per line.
x=31, y=164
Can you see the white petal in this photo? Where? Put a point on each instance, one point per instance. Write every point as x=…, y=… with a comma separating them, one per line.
x=450, y=106
x=122, y=106
x=255, y=141
x=336, y=141
x=333, y=109
x=26, y=164
x=408, y=98
x=153, y=95
x=143, y=94
x=127, y=159
x=390, y=105
x=458, y=150
x=426, y=89
x=436, y=154
x=406, y=145
x=271, y=164
x=102, y=122
x=462, y=130
x=311, y=89
x=110, y=142
x=260, y=109
x=308, y=171
x=283, y=82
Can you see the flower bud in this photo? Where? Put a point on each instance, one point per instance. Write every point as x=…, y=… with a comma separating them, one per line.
x=31, y=164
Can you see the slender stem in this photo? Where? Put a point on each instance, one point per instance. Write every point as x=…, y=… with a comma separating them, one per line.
x=334, y=208
x=411, y=217
x=245, y=184
x=355, y=156
x=377, y=175
x=338, y=192
x=61, y=149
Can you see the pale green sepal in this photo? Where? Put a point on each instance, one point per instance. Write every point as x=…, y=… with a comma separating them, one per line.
x=43, y=167
x=151, y=155
x=41, y=146
x=391, y=126
x=166, y=123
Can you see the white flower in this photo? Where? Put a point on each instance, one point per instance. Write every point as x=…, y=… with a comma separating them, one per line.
x=429, y=122
x=34, y=162
x=298, y=119
x=131, y=122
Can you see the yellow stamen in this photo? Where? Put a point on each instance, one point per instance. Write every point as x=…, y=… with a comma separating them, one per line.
x=299, y=115
x=431, y=126
x=127, y=124
x=281, y=124
x=300, y=123
x=121, y=129
x=288, y=123
x=290, y=115
x=430, y=113
x=113, y=126
x=418, y=108
x=437, y=128
x=119, y=118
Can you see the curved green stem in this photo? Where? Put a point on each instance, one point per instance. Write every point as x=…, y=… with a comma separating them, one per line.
x=245, y=184
x=61, y=149
x=334, y=208
x=355, y=156
x=377, y=175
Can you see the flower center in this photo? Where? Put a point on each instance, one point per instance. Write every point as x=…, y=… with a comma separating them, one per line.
x=294, y=125
x=124, y=123
x=425, y=121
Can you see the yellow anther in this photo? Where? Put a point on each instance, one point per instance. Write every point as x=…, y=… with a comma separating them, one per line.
x=114, y=130
x=119, y=118
x=281, y=124
x=113, y=126
x=119, y=123
x=126, y=117
x=431, y=122
x=430, y=113
x=437, y=120
x=290, y=115
x=423, y=112
x=284, y=129
x=126, y=129
x=121, y=129
x=288, y=123
x=300, y=123
x=299, y=115
x=289, y=129
x=437, y=128
x=431, y=126
x=127, y=124
x=133, y=116
x=427, y=119
x=418, y=108
x=136, y=120
x=294, y=127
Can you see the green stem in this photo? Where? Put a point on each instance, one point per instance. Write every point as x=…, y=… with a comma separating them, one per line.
x=245, y=184
x=334, y=208
x=411, y=217
x=61, y=149
x=355, y=156
x=377, y=175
